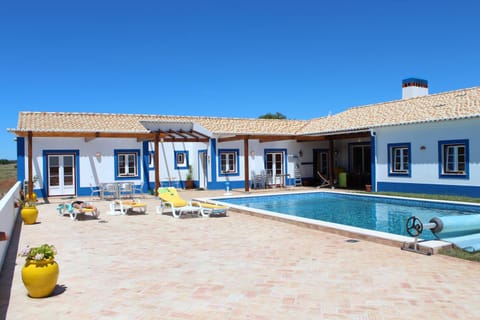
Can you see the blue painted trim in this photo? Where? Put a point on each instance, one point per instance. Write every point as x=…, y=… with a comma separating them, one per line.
x=445, y=189
x=220, y=185
x=442, y=175
x=187, y=162
x=116, y=152
x=44, y=190
x=213, y=163
x=390, y=172
x=414, y=81
x=237, y=152
x=21, y=159
x=145, y=166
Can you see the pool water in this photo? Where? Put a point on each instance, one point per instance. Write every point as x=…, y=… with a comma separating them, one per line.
x=368, y=212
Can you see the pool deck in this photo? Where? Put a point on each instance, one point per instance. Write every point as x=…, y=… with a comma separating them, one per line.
x=152, y=266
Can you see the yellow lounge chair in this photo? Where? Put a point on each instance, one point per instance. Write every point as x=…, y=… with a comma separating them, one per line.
x=170, y=198
x=209, y=209
x=124, y=206
x=73, y=212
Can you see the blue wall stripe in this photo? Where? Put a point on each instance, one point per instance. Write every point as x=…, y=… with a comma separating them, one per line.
x=468, y=191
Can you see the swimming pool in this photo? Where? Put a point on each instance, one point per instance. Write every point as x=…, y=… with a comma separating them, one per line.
x=379, y=213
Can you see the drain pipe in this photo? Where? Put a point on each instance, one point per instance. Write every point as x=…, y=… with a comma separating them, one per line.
x=373, y=160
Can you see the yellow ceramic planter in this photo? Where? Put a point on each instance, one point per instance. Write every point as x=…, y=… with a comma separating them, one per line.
x=40, y=277
x=33, y=198
x=29, y=215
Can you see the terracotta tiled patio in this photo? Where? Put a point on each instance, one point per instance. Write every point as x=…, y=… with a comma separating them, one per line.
x=152, y=266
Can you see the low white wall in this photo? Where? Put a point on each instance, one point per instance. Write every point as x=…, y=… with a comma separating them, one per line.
x=8, y=216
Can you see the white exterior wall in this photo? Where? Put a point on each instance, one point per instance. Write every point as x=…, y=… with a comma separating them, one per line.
x=166, y=160
x=93, y=170
x=256, y=161
x=425, y=163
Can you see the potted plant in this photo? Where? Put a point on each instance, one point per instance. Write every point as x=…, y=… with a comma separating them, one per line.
x=40, y=272
x=189, y=183
x=28, y=205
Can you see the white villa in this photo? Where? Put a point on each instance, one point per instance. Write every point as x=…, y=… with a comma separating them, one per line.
x=420, y=144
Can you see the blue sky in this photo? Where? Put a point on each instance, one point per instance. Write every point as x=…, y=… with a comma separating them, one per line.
x=245, y=58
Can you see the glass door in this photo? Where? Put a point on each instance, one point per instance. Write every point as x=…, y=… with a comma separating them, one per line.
x=321, y=163
x=61, y=174
x=360, y=166
x=275, y=169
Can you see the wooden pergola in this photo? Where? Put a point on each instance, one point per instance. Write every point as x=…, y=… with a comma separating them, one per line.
x=166, y=131
x=298, y=138
x=180, y=131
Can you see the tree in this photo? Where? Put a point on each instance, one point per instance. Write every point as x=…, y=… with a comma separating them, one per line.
x=276, y=115
x=5, y=161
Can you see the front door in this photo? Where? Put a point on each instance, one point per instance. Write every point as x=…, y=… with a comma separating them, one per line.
x=61, y=174
x=360, y=165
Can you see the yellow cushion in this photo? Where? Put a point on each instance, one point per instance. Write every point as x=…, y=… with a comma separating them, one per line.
x=209, y=205
x=175, y=200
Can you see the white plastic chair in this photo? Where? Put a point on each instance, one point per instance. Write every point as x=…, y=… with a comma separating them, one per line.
x=139, y=189
x=126, y=190
x=260, y=180
x=110, y=190
x=95, y=190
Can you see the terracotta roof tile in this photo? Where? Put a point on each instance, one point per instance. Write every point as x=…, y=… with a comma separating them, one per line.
x=436, y=107
x=457, y=104
x=103, y=122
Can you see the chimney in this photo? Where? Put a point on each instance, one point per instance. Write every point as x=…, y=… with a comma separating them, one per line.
x=413, y=87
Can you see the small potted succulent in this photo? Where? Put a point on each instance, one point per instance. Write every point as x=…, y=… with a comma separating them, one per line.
x=40, y=272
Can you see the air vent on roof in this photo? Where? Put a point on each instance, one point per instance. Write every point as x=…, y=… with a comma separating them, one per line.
x=413, y=87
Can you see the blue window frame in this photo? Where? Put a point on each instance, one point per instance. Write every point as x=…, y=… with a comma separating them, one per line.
x=181, y=159
x=453, y=159
x=127, y=163
x=228, y=164
x=399, y=159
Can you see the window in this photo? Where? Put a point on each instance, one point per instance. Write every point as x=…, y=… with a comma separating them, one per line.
x=151, y=159
x=181, y=159
x=228, y=161
x=126, y=163
x=453, y=158
x=399, y=159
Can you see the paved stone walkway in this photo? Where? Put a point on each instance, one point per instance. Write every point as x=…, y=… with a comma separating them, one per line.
x=153, y=266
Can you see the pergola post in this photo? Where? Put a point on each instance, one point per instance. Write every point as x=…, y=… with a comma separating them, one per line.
x=157, y=164
x=331, y=167
x=246, y=166
x=30, y=166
